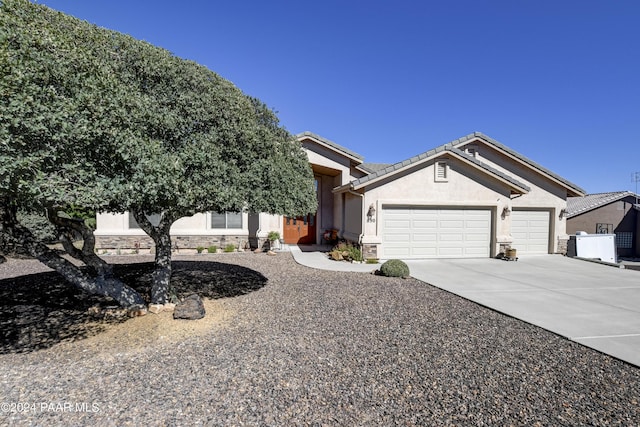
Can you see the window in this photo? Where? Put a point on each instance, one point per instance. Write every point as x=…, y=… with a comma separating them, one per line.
x=226, y=220
x=153, y=218
x=624, y=239
x=441, y=171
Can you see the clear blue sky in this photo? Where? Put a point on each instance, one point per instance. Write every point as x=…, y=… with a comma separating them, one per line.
x=556, y=80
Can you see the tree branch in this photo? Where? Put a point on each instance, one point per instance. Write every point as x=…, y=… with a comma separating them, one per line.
x=66, y=228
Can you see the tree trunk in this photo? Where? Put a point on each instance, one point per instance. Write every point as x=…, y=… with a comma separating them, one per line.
x=162, y=238
x=67, y=228
x=20, y=236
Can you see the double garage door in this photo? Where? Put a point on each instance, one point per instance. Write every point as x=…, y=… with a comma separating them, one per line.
x=412, y=232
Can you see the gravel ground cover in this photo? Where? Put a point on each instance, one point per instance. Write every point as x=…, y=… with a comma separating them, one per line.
x=283, y=345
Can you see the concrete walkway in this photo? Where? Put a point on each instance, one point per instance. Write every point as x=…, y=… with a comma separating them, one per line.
x=593, y=304
x=316, y=257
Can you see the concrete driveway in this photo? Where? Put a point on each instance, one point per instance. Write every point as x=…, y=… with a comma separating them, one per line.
x=593, y=304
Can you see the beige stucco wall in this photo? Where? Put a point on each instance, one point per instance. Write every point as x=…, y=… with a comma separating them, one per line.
x=113, y=231
x=544, y=193
x=109, y=224
x=353, y=217
x=464, y=187
x=332, y=169
x=339, y=165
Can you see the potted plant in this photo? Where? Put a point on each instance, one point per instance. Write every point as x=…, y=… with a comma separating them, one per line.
x=273, y=237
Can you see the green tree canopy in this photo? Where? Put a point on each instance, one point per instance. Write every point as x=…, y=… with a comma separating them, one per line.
x=95, y=119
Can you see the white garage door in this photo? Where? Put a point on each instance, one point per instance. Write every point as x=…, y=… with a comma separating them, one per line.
x=530, y=232
x=435, y=233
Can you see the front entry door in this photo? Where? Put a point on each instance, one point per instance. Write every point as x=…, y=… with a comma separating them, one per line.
x=300, y=229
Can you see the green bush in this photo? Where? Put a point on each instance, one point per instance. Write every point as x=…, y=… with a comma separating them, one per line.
x=230, y=247
x=347, y=252
x=199, y=249
x=394, y=268
x=273, y=235
x=212, y=249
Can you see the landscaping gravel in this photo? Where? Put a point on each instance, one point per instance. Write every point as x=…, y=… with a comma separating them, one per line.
x=283, y=344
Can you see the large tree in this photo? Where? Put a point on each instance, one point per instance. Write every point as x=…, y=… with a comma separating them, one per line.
x=95, y=119
x=205, y=146
x=62, y=116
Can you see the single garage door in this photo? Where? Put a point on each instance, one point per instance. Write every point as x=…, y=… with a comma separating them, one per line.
x=530, y=231
x=410, y=232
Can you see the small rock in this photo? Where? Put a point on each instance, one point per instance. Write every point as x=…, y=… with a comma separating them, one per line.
x=156, y=308
x=272, y=253
x=137, y=312
x=191, y=308
x=169, y=306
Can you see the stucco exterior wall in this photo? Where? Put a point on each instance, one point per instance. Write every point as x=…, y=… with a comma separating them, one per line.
x=113, y=232
x=464, y=187
x=353, y=217
x=544, y=193
x=620, y=214
x=337, y=165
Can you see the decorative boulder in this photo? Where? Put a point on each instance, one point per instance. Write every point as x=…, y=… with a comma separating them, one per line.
x=394, y=268
x=191, y=308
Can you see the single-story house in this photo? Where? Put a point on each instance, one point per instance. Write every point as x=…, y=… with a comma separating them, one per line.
x=471, y=197
x=608, y=213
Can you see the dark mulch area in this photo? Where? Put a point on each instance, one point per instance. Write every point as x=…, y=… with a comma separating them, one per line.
x=42, y=309
x=319, y=348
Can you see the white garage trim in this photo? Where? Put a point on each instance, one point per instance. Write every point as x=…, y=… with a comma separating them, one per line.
x=447, y=232
x=530, y=231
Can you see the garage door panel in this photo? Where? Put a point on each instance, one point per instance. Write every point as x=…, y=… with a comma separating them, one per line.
x=422, y=223
x=476, y=237
x=451, y=237
x=399, y=252
x=436, y=233
x=430, y=252
x=397, y=223
x=446, y=223
x=425, y=237
x=397, y=237
x=477, y=223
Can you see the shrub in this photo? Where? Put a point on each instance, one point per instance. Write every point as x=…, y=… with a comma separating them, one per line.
x=200, y=249
x=212, y=249
x=394, y=268
x=230, y=247
x=273, y=235
x=347, y=252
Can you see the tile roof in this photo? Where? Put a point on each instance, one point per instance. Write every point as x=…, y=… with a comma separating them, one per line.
x=453, y=144
x=580, y=205
x=373, y=167
x=446, y=147
x=519, y=156
x=331, y=144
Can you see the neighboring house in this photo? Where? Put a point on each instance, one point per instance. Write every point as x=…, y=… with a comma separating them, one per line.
x=608, y=213
x=472, y=197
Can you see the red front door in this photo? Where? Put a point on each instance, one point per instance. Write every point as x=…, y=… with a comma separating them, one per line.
x=300, y=229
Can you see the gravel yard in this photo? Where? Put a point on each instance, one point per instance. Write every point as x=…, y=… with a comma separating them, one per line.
x=283, y=344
